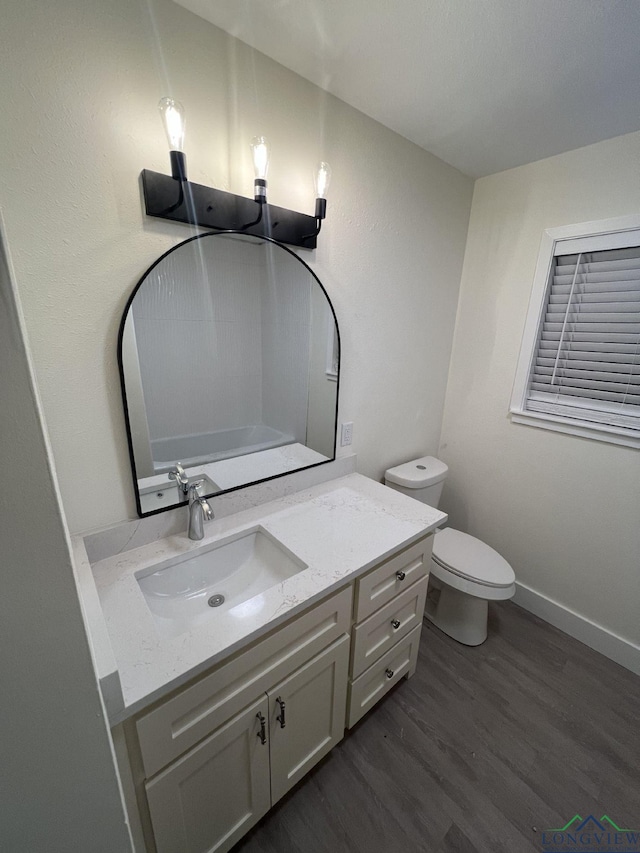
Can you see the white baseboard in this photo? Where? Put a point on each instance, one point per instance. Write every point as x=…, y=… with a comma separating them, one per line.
x=610, y=645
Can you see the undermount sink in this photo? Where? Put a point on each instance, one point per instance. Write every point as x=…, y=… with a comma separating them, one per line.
x=188, y=592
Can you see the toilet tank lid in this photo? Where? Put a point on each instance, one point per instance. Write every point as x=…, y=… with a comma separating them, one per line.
x=418, y=473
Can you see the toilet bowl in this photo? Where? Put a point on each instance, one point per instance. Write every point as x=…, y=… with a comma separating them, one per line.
x=465, y=573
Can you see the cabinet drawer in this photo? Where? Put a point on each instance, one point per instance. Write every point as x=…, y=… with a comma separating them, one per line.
x=377, y=634
x=382, y=584
x=371, y=686
x=178, y=723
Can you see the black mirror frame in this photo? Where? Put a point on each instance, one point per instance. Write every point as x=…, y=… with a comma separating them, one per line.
x=123, y=389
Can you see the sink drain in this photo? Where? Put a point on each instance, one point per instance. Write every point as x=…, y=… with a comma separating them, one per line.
x=216, y=600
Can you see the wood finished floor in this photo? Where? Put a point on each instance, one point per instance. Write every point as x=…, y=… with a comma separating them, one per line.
x=477, y=753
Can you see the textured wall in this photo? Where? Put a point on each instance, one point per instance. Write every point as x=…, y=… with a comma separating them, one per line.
x=565, y=511
x=81, y=83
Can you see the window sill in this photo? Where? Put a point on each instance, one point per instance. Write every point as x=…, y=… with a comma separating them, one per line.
x=573, y=427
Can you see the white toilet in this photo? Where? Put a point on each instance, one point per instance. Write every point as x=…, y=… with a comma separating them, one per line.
x=467, y=573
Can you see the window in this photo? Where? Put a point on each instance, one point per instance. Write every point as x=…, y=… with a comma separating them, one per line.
x=579, y=366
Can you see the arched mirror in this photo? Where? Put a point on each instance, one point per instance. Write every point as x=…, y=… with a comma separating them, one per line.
x=229, y=359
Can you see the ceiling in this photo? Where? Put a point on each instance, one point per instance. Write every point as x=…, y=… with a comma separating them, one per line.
x=483, y=84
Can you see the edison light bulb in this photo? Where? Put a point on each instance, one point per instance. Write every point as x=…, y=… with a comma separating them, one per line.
x=322, y=179
x=260, y=150
x=172, y=113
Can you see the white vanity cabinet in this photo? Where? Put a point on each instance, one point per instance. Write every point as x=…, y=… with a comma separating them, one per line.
x=210, y=797
x=215, y=756
x=208, y=761
x=388, y=607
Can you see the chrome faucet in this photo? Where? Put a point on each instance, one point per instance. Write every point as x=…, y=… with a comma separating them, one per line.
x=199, y=511
x=182, y=481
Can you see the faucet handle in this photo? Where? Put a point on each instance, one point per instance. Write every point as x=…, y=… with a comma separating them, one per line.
x=193, y=490
x=179, y=475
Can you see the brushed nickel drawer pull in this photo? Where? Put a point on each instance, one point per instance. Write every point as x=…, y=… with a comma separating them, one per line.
x=395, y=624
x=400, y=575
x=389, y=673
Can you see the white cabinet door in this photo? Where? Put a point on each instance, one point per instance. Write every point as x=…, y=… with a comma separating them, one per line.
x=307, y=716
x=209, y=798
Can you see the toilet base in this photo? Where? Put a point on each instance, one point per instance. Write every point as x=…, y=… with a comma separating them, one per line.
x=459, y=615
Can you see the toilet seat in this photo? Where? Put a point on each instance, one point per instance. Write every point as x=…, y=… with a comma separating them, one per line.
x=471, y=560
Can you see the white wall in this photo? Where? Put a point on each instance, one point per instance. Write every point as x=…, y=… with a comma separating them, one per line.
x=58, y=784
x=564, y=511
x=81, y=86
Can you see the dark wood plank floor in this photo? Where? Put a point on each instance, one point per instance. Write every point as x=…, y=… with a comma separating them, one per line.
x=479, y=752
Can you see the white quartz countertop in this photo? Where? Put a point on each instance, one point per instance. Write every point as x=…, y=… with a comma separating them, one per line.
x=340, y=529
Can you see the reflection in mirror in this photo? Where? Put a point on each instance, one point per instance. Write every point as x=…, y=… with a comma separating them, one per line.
x=229, y=356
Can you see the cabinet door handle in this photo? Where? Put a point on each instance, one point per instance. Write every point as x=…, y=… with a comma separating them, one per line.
x=262, y=734
x=395, y=624
x=280, y=718
x=389, y=673
x=400, y=575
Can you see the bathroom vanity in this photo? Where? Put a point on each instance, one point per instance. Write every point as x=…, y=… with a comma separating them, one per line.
x=218, y=711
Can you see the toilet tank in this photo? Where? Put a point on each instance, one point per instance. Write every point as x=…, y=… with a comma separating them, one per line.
x=421, y=479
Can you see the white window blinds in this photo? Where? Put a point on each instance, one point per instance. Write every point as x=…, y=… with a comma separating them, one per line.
x=587, y=356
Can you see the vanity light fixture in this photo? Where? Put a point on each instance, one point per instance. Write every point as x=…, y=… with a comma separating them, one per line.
x=179, y=200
